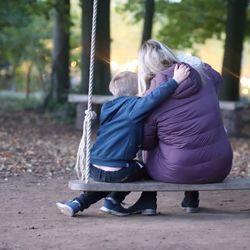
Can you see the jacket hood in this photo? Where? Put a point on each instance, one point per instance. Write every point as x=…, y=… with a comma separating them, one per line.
x=111, y=108
x=188, y=87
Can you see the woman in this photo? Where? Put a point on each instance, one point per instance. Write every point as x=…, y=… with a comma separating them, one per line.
x=185, y=138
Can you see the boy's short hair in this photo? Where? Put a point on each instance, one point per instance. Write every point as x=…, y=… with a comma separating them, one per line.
x=124, y=84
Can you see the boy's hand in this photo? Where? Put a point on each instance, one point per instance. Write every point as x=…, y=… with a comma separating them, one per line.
x=181, y=73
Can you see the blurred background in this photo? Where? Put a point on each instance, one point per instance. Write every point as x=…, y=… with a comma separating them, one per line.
x=44, y=44
x=44, y=58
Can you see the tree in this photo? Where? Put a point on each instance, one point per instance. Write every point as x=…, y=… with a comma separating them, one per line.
x=60, y=54
x=185, y=23
x=181, y=24
x=235, y=29
x=102, y=54
x=148, y=19
x=87, y=11
x=24, y=30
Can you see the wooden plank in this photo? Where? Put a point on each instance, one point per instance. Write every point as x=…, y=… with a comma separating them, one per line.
x=97, y=99
x=228, y=184
x=232, y=105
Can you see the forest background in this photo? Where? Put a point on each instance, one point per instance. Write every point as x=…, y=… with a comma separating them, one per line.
x=44, y=44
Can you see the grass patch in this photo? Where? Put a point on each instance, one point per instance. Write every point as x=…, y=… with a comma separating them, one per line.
x=14, y=103
x=62, y=112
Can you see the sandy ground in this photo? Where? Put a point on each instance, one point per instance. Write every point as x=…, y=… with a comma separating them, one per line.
x=30, y=220
x=37, y=156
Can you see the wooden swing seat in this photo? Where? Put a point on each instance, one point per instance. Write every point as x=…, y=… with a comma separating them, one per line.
x=227, y=184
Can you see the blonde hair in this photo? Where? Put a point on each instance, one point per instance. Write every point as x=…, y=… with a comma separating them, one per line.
x=153, y=57
x=124, y=84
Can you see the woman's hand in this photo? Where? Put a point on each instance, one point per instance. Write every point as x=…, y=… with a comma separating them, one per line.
x=181, y=73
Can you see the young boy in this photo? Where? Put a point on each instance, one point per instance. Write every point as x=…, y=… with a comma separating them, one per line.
x=118, y=140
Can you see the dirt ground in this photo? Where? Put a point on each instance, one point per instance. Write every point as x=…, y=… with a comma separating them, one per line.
x=37, y=156
x=29, y=220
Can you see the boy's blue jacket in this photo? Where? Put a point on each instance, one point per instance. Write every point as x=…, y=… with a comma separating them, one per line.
x=121, y=126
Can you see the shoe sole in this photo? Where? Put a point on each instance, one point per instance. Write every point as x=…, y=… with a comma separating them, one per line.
x=149, y=212
x=109, y=211
x=191, y=210
x=65, y=209
x=146, y=212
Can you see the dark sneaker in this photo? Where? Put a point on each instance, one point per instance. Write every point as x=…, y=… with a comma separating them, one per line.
x=190, y=202
x=111, y=206
x=189, y=209
x=143, y=208
x=69, y=208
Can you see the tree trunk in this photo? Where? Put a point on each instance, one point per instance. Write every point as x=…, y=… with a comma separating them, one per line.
x=102, y=51
x=60, y=54
x=87, y=10
x=148, y=20
x=28, y=81
x=231, y=68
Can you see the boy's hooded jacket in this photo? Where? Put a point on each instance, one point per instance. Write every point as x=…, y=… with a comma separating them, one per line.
x=185, y=135
x=121, y=126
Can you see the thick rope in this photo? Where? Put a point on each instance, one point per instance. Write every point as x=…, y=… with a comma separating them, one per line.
x=85, y=144
x=82, y=149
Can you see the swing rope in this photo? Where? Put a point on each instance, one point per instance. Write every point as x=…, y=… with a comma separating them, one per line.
x=83, y=154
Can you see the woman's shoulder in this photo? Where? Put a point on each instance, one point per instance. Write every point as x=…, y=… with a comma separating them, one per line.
x=161, y=77
x=165, y=74
x=168, y=73
x=188, y=87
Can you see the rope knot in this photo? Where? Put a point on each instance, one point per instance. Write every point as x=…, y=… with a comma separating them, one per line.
x=90, y=114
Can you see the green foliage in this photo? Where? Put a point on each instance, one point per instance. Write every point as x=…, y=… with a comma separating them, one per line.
x=26, y=43
x=14, y=103
x=63, y=112
x=181, y=24
x=134, y=9
x=24, y=40
x=247, y=28
x=13, y=13
x=75, y=36
x=190, y=21
x=16, y=14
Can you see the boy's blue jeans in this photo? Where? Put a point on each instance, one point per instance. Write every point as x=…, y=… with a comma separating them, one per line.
x=134, y=172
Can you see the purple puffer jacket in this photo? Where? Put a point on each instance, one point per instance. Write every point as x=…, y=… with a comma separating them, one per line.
x=185, y=136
